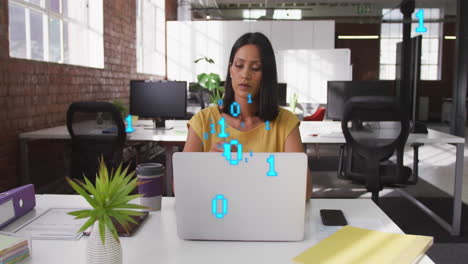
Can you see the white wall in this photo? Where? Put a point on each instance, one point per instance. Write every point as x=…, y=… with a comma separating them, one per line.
x=189, y=40
x=307, y=71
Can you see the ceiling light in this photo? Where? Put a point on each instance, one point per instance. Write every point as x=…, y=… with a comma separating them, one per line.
x=208, y=17
x=450, y=37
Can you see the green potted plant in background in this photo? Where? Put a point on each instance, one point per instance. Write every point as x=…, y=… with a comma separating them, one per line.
x=210, y=81
x=109, y=198
x=121, y=107
x=293, y=103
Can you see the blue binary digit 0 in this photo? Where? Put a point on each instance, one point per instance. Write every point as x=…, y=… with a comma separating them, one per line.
x=235, y=109
x=267, y=125
x=222, y=124
x=224, y=206
x=227, y=152
x=420, y=16
x=271, y=162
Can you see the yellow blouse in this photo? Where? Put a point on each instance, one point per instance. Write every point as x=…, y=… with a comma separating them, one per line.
x=258, y=139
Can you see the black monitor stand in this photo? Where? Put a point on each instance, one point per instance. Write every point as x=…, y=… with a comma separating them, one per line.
x=159, y=124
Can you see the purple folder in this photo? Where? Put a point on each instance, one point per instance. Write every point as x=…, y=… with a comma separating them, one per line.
x=16, y=203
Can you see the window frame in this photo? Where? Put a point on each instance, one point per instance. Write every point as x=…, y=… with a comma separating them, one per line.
x=384, y=53
x=47, y=16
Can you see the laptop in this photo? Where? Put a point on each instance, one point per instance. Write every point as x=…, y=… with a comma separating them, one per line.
x=258, y=196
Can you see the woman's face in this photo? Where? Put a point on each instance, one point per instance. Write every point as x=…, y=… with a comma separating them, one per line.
x=246, y=71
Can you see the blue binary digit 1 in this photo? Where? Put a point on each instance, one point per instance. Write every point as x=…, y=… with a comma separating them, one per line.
x=420, y=16
x=214, y=206
x=212, y=125
x=249, y=98
x=227, y=152
x=129, y=128
x=222, y=124
x=267, y=125
x=235, y=112
x=271, y=162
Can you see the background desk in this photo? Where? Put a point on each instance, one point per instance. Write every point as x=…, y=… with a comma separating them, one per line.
x=157, y=241
x=327, y=132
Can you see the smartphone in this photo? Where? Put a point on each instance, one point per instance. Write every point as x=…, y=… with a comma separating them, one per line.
x=333, y=217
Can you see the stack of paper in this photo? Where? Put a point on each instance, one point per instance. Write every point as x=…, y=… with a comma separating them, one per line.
x=357, y=245
x=13, y=249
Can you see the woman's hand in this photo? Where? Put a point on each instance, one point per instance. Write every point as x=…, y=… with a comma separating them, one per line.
x=219, y=147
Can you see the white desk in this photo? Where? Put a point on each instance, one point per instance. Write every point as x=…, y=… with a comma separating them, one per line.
x=327, y=132
x=157, y=242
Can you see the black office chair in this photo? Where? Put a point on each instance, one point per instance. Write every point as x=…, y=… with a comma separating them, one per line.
x=96, y=129
x=374, y=128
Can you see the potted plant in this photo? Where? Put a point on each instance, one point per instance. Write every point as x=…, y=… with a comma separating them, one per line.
x=121, y=107
x=211, y=82
x=109, y=198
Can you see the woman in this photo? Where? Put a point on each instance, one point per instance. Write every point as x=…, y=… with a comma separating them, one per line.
x=249, y=111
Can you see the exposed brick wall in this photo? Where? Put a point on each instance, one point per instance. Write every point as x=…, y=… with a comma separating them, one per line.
x=35, y=95
x=171, y=10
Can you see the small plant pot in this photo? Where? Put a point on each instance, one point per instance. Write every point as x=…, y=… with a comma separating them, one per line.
x=97, y=252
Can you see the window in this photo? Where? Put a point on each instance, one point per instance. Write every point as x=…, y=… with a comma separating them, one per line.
x=287, y=14
x=392, y=33
x=151, y=37
x=62, y=31
x=252, y=14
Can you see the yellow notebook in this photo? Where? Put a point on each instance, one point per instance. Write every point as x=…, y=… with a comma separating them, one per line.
x=352, y=245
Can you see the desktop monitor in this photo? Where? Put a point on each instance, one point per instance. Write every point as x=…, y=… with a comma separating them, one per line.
x=159, y=100
x=282, y=94
x=407, y=88
x=338, y=92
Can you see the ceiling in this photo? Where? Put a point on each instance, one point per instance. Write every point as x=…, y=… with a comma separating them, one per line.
x=311, y=3
x=232, y=9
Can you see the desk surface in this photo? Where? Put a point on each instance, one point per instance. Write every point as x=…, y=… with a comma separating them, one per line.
x=325, y=132
x=157, y=241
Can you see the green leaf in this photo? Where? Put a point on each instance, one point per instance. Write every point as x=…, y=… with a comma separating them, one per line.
x=129, y=212
x=102, y=231
x=81, y=214
x=82, y=192
x=124, y=199
x=88, y=223
x=130, y=206
x=108, y=224
x=121, y=220
x=126, y=218
x=90, y=188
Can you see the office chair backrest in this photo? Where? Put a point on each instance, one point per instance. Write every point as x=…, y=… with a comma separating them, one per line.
x=96, y=129
x=374, y=128
x=374, y=125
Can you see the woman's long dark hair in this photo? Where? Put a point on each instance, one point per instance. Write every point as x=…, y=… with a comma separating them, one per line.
x=268, y=95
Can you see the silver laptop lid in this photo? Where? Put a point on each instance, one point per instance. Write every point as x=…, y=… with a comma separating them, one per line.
x=260, y=198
